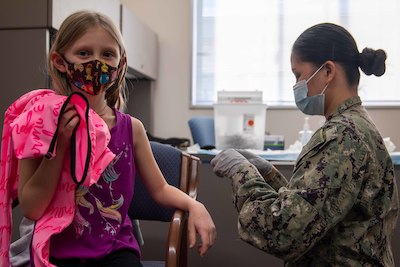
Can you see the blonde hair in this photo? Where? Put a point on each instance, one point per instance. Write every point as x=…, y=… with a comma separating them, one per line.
x=72, y=28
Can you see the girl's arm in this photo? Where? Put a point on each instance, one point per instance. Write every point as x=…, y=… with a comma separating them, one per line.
x=200, y=220
x=39, y=177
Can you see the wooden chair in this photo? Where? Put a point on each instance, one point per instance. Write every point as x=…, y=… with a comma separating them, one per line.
x=180, y=170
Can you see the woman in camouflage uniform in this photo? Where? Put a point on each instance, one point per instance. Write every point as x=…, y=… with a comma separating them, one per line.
x=340, y=206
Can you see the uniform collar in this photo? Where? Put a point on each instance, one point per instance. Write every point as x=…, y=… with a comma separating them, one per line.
x=348, y=103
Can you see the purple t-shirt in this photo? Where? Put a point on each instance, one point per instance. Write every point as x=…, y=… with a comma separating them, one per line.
x=101, y=224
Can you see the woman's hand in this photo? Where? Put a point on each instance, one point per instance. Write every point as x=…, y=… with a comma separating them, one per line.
x=226, y=162
x=200, y=222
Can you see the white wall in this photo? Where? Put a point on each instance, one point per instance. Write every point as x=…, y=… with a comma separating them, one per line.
x=171, y=20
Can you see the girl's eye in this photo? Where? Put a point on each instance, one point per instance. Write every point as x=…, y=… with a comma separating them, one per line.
x=83, y=53
x=108, y=54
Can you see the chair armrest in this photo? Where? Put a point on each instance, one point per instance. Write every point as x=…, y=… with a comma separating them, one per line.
x=193, y=176
x=177, y=244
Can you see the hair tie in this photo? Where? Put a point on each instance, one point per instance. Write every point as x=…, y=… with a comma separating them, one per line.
x=359, y=60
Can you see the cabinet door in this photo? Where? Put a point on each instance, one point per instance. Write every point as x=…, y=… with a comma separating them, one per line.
x=141, y=45
x=24, y=65
x=51, y=13
x=23, y=14
x=62, y=8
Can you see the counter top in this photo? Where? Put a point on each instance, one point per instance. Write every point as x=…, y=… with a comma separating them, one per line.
x=277, y=156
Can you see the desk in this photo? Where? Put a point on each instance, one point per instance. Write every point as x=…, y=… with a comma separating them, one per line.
x=278, y=157
x=215, y=193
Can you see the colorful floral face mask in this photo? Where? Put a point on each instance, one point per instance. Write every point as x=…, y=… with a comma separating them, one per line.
x=93, y=77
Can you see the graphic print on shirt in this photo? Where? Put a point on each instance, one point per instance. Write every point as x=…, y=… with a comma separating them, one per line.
x=109, y=214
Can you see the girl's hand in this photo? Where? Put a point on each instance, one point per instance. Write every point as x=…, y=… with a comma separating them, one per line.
x=200, y=222
x=69, y=120
x=39, y=177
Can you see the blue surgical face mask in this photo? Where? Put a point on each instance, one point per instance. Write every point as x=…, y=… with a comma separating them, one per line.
x=310, y=105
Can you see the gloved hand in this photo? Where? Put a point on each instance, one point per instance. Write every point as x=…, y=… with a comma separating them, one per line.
x=225, y=163
x=263, y=166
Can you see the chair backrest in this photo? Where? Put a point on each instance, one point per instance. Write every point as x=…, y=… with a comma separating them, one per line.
x=174, y=166
x=203, y=131
x=180, y=170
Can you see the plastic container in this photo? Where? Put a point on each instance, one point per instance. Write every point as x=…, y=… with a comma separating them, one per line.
x=305, y=134
x=239, y=120
x=274, y=142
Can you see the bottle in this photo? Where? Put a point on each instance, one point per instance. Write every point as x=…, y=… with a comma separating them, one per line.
x=306, y=133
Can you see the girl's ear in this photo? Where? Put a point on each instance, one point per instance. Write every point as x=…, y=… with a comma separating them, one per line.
x=58, y=62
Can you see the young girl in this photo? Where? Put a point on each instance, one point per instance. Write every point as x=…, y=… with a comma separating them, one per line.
x=88, y=56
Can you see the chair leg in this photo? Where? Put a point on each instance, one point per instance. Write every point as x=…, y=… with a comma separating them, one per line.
x=183, y=258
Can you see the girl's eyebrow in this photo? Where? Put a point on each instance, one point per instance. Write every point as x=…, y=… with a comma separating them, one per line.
x=90, y=47
x=111, y=48
x=81, y=47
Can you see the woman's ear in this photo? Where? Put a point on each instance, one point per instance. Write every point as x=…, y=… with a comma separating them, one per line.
x=58, y=62
x=330, y=70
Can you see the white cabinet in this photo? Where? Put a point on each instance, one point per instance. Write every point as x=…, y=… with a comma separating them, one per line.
x=141, y=42
x=62, y=8
x=141, y=45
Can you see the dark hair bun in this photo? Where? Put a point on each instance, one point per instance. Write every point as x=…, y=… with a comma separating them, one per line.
x=372, y=61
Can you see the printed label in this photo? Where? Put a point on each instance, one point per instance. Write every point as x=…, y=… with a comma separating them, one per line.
x=248, y=123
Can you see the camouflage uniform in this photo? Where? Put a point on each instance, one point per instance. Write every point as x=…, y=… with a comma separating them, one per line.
x=340, y=206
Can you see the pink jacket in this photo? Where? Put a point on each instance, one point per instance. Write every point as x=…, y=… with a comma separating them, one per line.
x=30, y=131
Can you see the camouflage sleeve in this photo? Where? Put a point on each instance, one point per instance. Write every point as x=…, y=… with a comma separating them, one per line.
x=289, y=221
x=276, y=179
